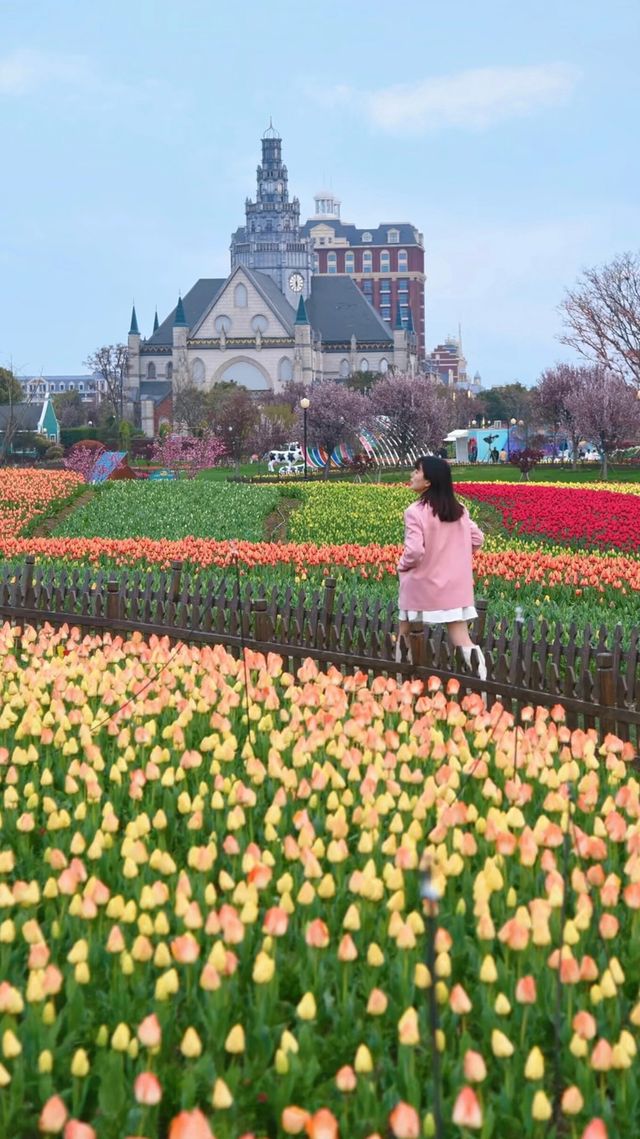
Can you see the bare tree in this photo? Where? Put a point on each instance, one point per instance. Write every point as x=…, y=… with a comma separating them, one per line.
x=606, y=410
x=602, y=316
x=110, y=363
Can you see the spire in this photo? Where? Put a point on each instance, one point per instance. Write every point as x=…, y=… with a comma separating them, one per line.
x=134, y=330
x=398, y=326
x=156, y=323
x=301, y=315
x=180, y=320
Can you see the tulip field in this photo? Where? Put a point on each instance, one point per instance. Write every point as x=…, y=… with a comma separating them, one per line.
x=211, y=919
x=238, y=902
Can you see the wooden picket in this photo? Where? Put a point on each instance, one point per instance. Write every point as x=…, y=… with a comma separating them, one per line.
x=594, y=673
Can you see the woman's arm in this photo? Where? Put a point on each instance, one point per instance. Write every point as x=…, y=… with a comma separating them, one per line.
x=477, y=537
x=413, y=542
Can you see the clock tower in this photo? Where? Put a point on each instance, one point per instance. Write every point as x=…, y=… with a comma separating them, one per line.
x=271, y=241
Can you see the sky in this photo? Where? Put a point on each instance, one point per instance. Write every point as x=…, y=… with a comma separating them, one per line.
x=507, y=133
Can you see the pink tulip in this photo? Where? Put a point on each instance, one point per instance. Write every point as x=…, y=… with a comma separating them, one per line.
x=77, y=1130
x=147, y=1089
x=404, y=1121
x=150, y=1032
x=190, y=1125
x=466, y=1110
x=53, y=1116
x=595, y=1130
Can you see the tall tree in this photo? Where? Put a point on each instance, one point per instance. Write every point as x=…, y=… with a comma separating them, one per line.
x=606, y=410
x=507, y=401
x=553, y=391
x=419, y=413
x=334, y=416
x=601, y=315
x=190, y=408
x=70, y=409
x=233, y=415
x=110, y=363
x=10, y=387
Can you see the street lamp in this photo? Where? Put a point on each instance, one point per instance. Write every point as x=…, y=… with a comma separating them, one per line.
x=304, y=404
x=512, y=423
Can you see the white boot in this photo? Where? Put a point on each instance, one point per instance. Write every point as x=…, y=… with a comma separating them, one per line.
x=468, y=651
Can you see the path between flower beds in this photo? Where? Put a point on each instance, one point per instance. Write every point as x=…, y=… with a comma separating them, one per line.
x=48, y=525
x=276, y=524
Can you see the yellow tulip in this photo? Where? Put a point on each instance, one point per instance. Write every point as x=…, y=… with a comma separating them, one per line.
x=306, y=1008
x=235, y=1042
x=221, y=1098
x=534, y=1067
x=80, y=1064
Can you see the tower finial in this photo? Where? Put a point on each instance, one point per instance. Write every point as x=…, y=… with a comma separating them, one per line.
x=180, y=320
x=134, y=330
x=156, y=322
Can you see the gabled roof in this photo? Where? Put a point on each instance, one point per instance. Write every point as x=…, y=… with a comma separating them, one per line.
x=26, y=415
x=269, y=291
x=337, y=309
x=196, y=301
x=157, y=390
x=408, y=234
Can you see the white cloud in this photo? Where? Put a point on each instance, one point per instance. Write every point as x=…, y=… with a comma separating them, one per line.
x=25, y=71
x=474, y=99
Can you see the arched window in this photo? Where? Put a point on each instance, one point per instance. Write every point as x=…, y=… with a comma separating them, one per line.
x=384, y=365
x=349, y=262
x=259, y=323
x=61, y=387
x=367, y=261
x=385, y=261
x=364, y=364
x=344, y=369
x=403, y=261
x=151, y=370
x=72, y=387
x=332, y=263
x=285, y=370
x=393, y=236
x=197, y=371
x=240, y=296
x=169, y=370
x=222, y=324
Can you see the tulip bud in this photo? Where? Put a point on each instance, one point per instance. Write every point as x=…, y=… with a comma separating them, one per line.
x=534, y=1067
x=121, y=1037
x=45, y=1062
x=147, y=1089
x=572, y=1100
x=306, y=1008
x=235, y=1042
x=80, y=1064
x=221, y=1098
x=191, y=1045
x=11, y=1046
x=541, y=1108
x=281, y=1062
x=501, y=1046
x=53, y=1116
x=363, y=1062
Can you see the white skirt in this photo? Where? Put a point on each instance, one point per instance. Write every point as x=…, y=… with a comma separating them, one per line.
x=439, y=616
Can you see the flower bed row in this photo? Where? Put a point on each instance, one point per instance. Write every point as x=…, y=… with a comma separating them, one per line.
x=601, y=518
x=211, y=923
x=26, y=495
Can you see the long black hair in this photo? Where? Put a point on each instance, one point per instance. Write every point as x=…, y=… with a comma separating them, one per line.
x=439, y=494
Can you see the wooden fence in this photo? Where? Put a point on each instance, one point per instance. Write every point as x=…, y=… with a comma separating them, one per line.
x=590, y=672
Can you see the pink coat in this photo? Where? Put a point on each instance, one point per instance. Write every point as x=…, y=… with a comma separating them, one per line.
x=436, y=564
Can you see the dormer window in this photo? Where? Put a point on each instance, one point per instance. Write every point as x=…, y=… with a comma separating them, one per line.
x=393, y=236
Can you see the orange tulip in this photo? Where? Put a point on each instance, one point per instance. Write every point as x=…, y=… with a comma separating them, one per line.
x=595, y=1130
x=404, y=1121
x=526, y=993
x=475, y=1068
x=322, y=1125
x=317, y=934
x=294, y=1120
x=466, y=1110
x=77, y=1130
x=53, y=1116
x=189, y=1125
x=150, y=1032
x=459, y=1001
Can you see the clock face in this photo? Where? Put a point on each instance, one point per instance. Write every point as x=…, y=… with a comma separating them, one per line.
x=296, y=282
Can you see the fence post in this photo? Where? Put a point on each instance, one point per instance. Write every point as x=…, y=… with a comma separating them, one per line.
x=417, y=644
x=329, y=599
x=606, y=689
x=114, y=601
x=481, y=621
x=27, y=599
x=174, y=588
x=262, y=620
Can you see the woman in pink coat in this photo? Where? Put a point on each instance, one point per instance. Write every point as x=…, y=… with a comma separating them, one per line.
x=435, y=570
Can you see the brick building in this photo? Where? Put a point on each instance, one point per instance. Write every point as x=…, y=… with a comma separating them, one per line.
x=387, y=263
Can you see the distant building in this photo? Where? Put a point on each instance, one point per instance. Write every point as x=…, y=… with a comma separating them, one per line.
x=28, y=418
x=89, y=387
x=386, y=261
x=448, y=363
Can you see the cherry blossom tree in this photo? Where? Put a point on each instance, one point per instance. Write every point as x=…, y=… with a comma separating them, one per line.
x=82, y=458
x=417, y=409
x=553, y=390
x=606, y=411
x=188, y=453
x=335, y=414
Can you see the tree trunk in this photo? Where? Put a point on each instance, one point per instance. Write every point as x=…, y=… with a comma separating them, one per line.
x=605, y=465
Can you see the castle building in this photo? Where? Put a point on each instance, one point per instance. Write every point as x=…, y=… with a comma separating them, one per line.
x=386, y=262
x=272, y=320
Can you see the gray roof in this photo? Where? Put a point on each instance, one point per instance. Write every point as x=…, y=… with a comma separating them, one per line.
x=337, y=309
x=157, y=390
x=408, y=234
x=266, y=284
x=199, y=298
x=27, y=415
x=60, y=379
